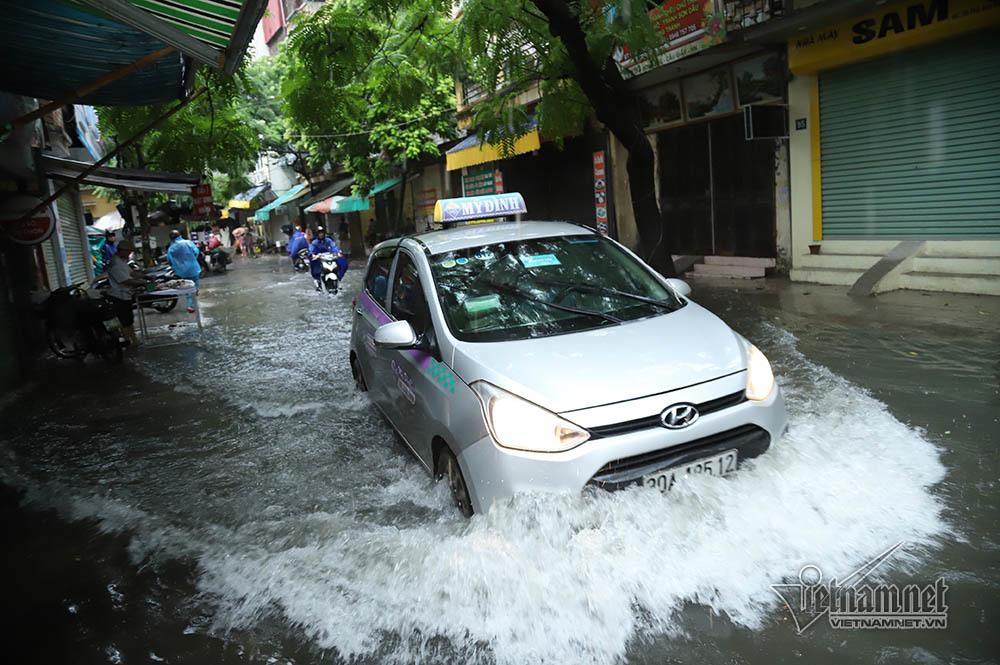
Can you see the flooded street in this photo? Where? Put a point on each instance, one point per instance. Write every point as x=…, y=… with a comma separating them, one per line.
x=234, y=499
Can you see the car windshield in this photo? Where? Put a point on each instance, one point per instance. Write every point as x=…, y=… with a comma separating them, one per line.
x=545, y=286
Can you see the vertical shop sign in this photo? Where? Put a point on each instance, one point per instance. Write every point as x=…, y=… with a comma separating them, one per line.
x=600, y=193
x=202, y=195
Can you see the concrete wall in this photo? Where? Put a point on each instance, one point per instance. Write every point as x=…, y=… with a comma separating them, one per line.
x=95, y=205
x=800, y=165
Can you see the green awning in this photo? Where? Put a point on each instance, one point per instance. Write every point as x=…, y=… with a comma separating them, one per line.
x=264, y=213
x=384, y=185
x=214, y=32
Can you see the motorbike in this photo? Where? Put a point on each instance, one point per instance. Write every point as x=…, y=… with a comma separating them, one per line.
x=218, y=260
x=301, y=262
x=74, y=325
x=158, y=273
x=328, y=273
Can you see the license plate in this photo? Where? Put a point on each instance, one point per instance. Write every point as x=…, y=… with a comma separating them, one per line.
x=722, y=464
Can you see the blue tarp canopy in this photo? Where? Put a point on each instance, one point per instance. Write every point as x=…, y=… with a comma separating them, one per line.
x=49, y=48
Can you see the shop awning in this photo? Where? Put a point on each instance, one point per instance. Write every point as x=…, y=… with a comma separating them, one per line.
x=106, y=176
x=50, y=48
x=298, y=191
x=212, y=32
x=338, y=205
x=251, y=198
x=470, y=151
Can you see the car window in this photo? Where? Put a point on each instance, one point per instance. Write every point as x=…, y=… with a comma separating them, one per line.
x=544, y=286
x=408, y=301
x=377, y=279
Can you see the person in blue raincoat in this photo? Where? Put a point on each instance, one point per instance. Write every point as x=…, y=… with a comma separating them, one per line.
x=183, y=257
x=297, y=243
x=320, y=244
x=108, y=250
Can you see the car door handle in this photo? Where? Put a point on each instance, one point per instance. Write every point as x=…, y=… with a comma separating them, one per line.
x=357, y=310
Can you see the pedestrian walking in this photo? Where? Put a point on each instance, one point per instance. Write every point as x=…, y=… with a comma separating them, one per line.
x=183, y=257
x=241, y=233
x=124, y=281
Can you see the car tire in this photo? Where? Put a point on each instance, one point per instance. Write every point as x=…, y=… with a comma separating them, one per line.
x=359, y=378
x=450, y=471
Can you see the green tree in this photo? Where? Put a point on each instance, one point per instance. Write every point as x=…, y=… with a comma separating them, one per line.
x=263, y=106
x=369, y=85
x=568, y=48
x=210, y=135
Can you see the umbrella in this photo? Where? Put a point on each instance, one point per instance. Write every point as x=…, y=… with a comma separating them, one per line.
x=110, y=222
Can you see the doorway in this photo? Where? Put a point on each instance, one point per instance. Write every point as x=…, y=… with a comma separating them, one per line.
x=717, y=189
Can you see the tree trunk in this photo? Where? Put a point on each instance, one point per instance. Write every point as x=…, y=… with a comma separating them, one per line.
x=618, y=108
x=357, y=236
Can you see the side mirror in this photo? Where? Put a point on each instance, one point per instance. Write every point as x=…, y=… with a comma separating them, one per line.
x=679, y=286
x=395, y=335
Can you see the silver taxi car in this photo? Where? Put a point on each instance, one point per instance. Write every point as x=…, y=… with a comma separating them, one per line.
x=540, y=356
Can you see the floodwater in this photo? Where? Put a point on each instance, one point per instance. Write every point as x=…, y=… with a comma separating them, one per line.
x=232, y=499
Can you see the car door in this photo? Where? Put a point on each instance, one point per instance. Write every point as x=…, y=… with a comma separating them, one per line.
x=371, y=312
x=419, y=397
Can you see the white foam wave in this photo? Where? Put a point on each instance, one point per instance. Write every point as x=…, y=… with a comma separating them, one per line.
x=576, y=579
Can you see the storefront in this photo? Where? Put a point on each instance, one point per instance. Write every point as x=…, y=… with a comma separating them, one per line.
x=895, y=132
x=556, y=181
x=718, y=188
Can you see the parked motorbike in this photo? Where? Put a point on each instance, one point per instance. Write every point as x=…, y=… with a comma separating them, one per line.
x=74, y=325
x=328, y=273
x=158, y=273
x=301, y=262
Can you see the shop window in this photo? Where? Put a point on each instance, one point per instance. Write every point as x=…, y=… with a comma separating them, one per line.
x=759, y=79
x=709, y=93
x=661, y=105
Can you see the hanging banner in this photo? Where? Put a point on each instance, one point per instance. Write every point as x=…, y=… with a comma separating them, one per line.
x=481, y=182
x=687, y=26
x=26, y=230
x=600, y=193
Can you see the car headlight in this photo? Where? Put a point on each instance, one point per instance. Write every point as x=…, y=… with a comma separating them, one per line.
x=519, y=424
x=760, y=378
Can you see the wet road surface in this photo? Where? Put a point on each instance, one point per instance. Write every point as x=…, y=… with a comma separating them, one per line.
x=233, y=499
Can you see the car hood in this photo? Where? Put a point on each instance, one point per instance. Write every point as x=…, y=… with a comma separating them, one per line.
x=612, y=364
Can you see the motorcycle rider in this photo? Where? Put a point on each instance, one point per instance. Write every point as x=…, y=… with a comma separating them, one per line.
x=214, y=248
x=321, y=244
x=183, y=257
x=297, y=243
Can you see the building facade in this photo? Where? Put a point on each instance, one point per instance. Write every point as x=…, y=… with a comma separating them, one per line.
x=895, y=147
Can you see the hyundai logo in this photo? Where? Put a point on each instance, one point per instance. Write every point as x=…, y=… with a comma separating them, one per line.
x=679, y=416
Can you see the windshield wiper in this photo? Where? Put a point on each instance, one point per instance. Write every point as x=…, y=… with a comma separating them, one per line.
x=524, y=295
x=608, y=289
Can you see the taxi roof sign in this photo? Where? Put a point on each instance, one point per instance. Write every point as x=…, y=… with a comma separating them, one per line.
x=479, y=207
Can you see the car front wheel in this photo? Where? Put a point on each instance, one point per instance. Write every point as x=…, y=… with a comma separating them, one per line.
x=449, y=469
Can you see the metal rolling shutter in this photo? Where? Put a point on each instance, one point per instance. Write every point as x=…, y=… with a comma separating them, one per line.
x=49, y=253
x=74, y=241
x=910, y=143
